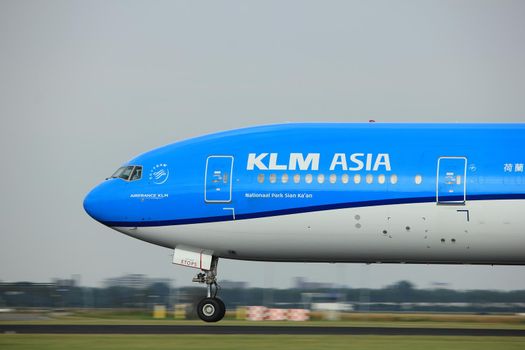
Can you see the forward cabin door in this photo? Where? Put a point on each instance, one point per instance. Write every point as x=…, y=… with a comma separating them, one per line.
x=218, y=185
x=218, y=182
x=451, y=187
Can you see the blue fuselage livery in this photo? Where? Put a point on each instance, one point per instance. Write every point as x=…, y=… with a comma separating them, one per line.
x=398, y=193
x=294, y=168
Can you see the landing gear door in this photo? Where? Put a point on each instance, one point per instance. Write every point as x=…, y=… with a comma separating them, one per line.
x=451, y=180
x=218, y=179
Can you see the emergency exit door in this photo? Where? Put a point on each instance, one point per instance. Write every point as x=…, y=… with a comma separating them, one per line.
x=218, y=179
x=451, y=185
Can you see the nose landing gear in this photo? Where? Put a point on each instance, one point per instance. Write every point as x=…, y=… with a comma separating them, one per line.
x=211, y=308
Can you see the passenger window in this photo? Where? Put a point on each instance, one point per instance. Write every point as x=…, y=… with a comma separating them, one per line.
x=381, y=179
x=284, y=178
x=344, y=178
x=418, y=179
x=333, y=178
x=369, y=178
x=260, y=178
x=393, y=179
x=357, y=179
x=308, y=178
x=320, y=178
x=297, y=178
x=273, y=178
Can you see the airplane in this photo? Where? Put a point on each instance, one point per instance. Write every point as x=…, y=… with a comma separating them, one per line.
x=325, y=192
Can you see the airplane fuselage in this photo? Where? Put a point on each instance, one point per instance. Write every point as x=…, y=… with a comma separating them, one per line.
x=404, y=193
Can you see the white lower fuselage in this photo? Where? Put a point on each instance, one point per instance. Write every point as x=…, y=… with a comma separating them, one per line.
x=478, y=232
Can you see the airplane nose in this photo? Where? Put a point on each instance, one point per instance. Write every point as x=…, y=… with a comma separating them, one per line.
x=92, y=204
x=106, y=203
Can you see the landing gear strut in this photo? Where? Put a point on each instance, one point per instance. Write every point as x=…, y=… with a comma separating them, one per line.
x=211, y=308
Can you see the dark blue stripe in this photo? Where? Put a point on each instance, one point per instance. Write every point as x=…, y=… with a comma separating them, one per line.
x=305, y=210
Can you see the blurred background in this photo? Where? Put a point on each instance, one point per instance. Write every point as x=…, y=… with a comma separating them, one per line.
x=87, y=85
x=136, y=294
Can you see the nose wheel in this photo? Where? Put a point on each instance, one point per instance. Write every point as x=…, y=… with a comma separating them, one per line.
x=211, y=308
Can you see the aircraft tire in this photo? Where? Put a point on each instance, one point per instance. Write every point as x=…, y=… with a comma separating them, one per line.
x=223, y=308
x=211, y=309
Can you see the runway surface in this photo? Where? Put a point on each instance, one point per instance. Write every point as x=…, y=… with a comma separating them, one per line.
x=273, y=330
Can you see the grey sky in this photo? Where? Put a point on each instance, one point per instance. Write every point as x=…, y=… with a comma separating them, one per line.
x=86, y=85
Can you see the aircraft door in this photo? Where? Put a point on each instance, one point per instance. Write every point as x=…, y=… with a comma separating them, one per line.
x=451, y=180
x=218, y=179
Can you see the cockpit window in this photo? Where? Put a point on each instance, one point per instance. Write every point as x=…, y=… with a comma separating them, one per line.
x=128, y=173
x=117, y=173
x=136, y=174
